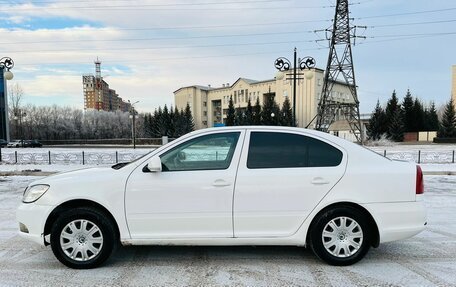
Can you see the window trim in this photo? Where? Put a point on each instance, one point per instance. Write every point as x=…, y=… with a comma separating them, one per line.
x=229, y=155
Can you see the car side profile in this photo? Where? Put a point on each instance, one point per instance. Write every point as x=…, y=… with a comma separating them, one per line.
x=244, y=185
x=32, y=143
x=15, y=143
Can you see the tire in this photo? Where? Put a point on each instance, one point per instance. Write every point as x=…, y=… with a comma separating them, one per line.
x=340, y=236
x=83, y=238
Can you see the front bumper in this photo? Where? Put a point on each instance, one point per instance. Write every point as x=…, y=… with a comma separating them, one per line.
x=398, y=220
x=33, y=217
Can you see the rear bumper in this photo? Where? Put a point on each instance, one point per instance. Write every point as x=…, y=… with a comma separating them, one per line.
x=33, y=218
x=399, y=220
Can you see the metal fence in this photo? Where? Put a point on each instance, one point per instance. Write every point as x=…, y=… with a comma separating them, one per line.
x=112, y=157
x=70, y=157
x=420, y=156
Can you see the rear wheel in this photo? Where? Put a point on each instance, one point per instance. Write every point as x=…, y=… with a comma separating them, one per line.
x=340, y=236
x=83, y=238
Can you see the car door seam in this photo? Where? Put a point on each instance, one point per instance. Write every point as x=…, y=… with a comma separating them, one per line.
x=235, y=180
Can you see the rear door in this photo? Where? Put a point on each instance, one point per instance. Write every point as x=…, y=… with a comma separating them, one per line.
x=281, y=178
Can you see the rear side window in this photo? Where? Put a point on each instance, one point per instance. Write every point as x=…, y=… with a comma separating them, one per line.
x=286, y=150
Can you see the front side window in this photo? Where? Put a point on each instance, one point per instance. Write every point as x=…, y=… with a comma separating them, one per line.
x=286, y=150
x=208, y=152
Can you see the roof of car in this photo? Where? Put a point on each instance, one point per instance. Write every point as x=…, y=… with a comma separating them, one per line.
x=316, y=133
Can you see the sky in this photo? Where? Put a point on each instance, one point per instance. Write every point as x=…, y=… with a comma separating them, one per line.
x=150, y=48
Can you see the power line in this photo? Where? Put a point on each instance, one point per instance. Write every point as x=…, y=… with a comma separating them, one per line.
x=412, y=35
x=412, y=23
x=184, y=27
x=395, y=38
x=158, y=38
x=115, y=61
x=164, y=47
x=158, y=5
x=164, y=7
x=407, y=13
x=282, y=23
x=234, y=25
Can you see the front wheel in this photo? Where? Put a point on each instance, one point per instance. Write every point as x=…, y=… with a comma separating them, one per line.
x=340, y=236
x=83, y=238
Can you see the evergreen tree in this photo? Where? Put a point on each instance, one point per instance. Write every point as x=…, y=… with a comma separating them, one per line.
x=189, y=124
x=419, y=116
x=270, y=111
x=249, y=114
x=171, y=124
x=391, y=106
x=391, y=109
x=239, y=119
x=286, y=114
x=448, y=125
x=164, y=122
x=431, y=118
x=179, y=123
x=145, y=126
x=150, y=125
x=148, y=128
x=257, y=113
x=377, y=122
x=396, y=128
x=408, y=113
x=175, y=122
x=158, y=129
x=231, y=114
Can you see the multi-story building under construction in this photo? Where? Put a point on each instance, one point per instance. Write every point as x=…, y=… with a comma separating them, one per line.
x=98, y=95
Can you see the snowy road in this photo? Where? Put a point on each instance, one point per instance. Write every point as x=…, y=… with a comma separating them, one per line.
x=428, y=259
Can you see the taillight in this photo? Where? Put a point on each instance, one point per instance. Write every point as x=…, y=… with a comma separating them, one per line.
x=419, y=180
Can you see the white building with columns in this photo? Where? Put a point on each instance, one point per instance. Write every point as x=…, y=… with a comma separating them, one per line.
x=209, y=104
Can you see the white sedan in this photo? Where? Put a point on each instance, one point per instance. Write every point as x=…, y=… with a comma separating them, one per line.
x=230, y=186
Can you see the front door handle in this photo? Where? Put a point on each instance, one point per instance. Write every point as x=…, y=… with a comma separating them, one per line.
x=221, y=182
x=319, y=181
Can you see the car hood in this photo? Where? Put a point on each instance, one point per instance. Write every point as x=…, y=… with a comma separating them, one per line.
x=78, y=175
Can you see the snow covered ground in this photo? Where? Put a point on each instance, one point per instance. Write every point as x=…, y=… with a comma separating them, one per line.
x=427, y=259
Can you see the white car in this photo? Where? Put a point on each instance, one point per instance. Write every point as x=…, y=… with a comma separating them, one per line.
x=230, y=186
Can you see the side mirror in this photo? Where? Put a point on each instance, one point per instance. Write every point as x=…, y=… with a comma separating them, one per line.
x=154, y=164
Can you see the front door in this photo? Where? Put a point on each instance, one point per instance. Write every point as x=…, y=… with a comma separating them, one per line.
x=193, y=195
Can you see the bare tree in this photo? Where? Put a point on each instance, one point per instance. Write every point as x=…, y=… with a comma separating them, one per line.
x=15, y=94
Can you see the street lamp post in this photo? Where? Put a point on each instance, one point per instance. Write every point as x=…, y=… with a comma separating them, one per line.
x=284, y=65
x=6, y=64
x=133, y=125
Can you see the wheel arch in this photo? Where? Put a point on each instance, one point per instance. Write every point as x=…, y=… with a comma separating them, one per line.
x=375, y=240
x=75, y=203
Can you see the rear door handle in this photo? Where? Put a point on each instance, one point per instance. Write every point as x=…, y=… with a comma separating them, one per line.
x=319, y=181
x=221, y=182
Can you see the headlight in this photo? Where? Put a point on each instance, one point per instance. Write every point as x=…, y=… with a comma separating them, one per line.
x=33, y=193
